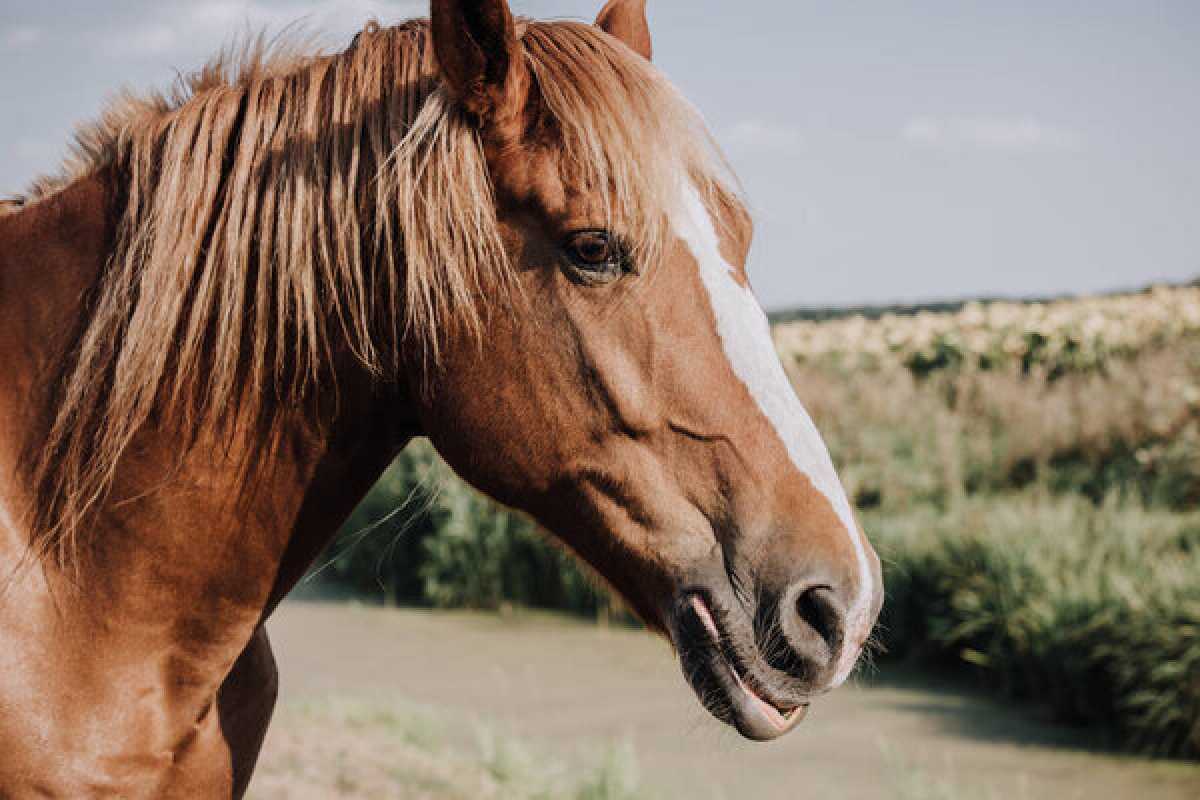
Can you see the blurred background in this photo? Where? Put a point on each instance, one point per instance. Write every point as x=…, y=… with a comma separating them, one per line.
x=977, y=228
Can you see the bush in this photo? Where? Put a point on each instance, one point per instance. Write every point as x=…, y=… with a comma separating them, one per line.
x=1094, y=611
x=378, y=552
x=423, y=537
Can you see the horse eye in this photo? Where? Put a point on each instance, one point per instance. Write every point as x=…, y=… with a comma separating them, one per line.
x=596, y=256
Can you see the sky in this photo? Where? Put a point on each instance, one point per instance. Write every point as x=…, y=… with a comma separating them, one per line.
x=891, y=151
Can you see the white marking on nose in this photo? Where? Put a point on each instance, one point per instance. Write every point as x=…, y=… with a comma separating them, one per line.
x=746, y=337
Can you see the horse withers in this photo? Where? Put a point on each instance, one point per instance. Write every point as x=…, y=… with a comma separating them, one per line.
x=239, y=302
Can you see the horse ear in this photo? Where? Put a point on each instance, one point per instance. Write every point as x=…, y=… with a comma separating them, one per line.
x=626, y=20
x=477, y=50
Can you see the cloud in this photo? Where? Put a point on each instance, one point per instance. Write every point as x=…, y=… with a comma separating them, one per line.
x=757, y=134
x=232, y=15
x=189, y=28
x=1013, y=134
x=149, y=39
x=21, y=36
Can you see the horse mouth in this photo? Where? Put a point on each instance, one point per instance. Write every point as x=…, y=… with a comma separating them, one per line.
x=722, y=687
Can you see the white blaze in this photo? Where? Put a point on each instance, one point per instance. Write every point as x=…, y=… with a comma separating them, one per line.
x=746, y=337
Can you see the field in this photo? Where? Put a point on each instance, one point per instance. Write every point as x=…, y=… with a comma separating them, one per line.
x=385, y=703
x=1030, y=474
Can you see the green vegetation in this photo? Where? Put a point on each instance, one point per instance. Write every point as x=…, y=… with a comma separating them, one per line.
x=388, y=748
x=1030, y=477
x=1091, y=610
x=424, y=538
x=1029, y=474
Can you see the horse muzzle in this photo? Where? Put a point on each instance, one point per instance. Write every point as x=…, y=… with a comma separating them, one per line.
x=759, y=669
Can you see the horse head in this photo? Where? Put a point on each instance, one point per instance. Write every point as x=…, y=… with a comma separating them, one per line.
x=624, y=390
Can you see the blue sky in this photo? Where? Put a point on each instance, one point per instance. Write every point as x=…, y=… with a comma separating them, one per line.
x=891, y=150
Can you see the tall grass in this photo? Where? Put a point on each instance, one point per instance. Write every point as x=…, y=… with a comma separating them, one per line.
x=423, y=537
x=1093, y=611
x=901, y=438
x=1037, y=520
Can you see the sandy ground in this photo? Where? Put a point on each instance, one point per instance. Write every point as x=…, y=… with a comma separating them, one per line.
x=569, y=688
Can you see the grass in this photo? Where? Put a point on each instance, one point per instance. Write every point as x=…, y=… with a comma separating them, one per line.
x=1038, y=527
x=356, y=747
x=901, y=439
x=910, y=781
x=1093, y=611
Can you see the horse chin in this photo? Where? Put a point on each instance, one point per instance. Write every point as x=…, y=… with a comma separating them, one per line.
x=718, y=683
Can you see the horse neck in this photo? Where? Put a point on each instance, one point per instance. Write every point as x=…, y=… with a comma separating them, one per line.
x=187, y=543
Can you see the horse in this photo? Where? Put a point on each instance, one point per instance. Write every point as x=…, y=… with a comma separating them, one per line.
x=239, y=300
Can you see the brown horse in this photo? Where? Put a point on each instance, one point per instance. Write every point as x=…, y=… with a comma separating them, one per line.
x=240, y=301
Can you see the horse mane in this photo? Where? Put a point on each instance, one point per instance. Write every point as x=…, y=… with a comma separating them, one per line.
x=281, y=209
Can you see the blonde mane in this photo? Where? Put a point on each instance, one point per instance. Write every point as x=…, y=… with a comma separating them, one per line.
x=281, y=210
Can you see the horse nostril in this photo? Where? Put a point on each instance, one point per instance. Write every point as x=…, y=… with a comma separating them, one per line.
x=819, y=609
x=813, y=622
x=802, y=633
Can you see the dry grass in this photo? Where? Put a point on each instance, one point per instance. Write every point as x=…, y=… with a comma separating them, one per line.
x=903, y=439
x=359, y=747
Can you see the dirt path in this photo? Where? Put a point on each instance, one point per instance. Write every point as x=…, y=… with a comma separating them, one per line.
x=569, y=687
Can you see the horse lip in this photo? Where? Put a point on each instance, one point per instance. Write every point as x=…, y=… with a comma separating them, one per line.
x=754, y=717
